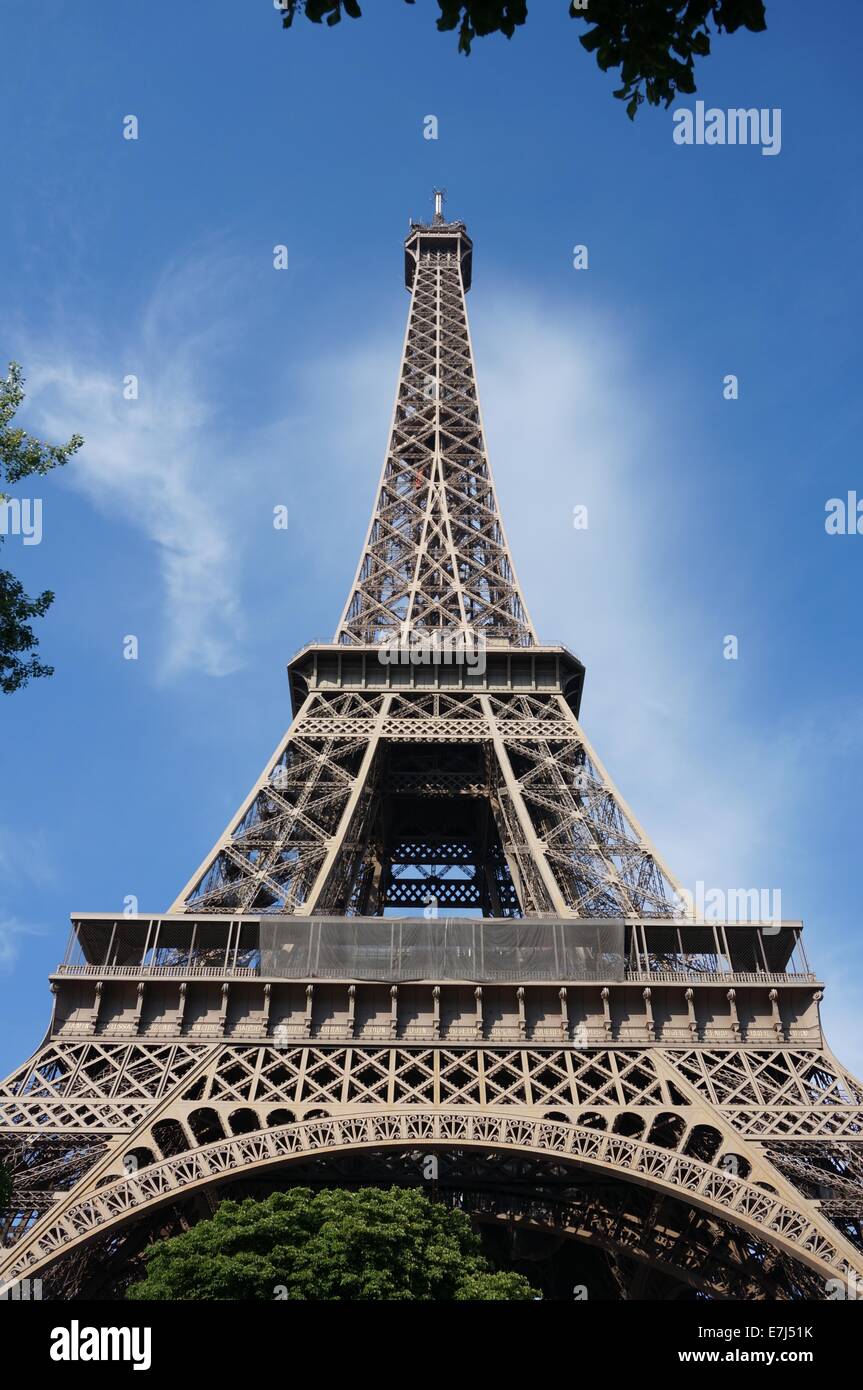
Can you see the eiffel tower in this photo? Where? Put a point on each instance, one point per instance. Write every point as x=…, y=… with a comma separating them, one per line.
x=435, y=931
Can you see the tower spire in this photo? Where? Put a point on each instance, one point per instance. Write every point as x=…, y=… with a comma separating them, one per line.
x=436, y=555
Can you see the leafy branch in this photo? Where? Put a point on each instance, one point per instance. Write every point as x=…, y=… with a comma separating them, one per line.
x=654, y=43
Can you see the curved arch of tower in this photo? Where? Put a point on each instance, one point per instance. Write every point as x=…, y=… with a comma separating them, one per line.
x=435, y=928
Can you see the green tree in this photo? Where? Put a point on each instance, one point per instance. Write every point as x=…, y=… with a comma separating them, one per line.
x=654, y=43
x=20, y=456
x=331, y=1244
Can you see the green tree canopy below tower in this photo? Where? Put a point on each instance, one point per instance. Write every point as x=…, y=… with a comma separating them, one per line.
x=332, y=1244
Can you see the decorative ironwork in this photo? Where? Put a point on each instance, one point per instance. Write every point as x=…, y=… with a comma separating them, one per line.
x=666, y=1096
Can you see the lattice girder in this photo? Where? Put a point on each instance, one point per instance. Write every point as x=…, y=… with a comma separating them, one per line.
x=571, y=843
x=792, y=1227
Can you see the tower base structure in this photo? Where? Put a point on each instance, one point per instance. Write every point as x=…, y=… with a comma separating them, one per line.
x=686, y=1124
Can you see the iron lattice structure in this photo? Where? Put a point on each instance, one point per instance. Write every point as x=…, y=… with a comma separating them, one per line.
x=434, y=925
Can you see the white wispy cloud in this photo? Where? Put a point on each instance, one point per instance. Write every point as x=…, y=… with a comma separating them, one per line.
x=11, y=933
x=25, y=856
x=26, y=861
x=160, y=464
x=571, y=421
x=717, y=784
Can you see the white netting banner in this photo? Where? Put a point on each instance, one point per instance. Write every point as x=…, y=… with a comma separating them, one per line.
x=444, y=948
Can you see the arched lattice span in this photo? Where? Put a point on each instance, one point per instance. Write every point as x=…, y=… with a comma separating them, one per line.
x=762, y=1214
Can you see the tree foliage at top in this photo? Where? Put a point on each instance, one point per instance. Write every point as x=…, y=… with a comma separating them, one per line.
x=333, y=1244
x=654, y=43
x=21, y=456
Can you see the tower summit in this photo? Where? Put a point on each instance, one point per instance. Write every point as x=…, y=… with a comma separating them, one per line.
x=434, y=925
x=435, y=237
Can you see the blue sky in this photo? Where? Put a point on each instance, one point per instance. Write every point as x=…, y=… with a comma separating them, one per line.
x=600, y=387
